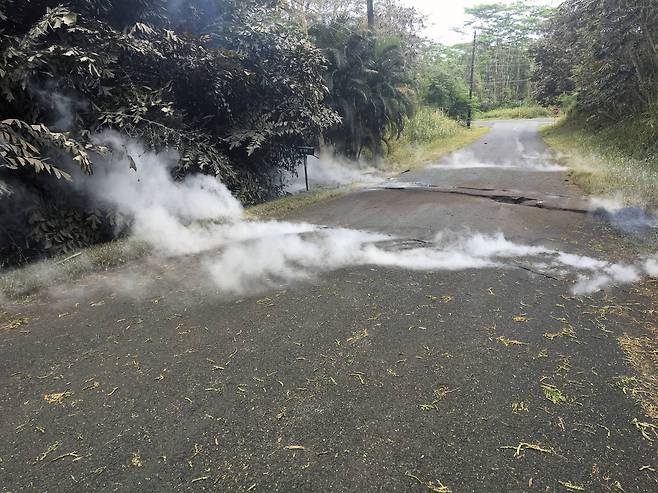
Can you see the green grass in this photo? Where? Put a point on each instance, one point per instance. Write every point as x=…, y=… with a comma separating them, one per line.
x=427, y=137
x=24, y=281
x=619, y=160
x=285, y=205
x=531, y=111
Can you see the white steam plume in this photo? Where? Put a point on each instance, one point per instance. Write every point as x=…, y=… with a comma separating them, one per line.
x=332, y=171
x=199, y=215
x=651, y=267
x=465, y=159
x=161, y=208
x=622, y=215
x=261, y=263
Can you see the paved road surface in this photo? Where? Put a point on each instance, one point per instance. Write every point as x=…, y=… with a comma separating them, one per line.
x=365, y=379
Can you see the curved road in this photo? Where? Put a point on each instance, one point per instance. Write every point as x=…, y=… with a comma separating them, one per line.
x=366, y=379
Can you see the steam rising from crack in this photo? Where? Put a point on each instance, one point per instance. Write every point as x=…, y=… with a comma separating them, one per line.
x=466, y=159
x=200, y=216
x=332, y=171
x=624, y=217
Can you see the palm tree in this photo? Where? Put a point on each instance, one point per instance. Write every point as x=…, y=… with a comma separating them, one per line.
x=369, y=86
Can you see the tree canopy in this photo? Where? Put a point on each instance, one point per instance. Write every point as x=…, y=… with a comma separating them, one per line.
x=605, y=53
x=234, y=86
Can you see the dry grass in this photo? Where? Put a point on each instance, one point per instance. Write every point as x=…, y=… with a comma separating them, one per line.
x=603, y=164
x=642, y=354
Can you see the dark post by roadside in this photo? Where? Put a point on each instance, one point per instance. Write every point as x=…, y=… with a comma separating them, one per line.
x=306, y=152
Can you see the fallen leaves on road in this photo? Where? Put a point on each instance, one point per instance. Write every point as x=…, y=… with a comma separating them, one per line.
x=354, y=338
x=14, y=324
x=136, y=460
x=520, y=318
x=444, y=299
x=57, y=397
x=519, y=450
x=519, y=407
x=571, y=486
x=76, y=457
x=443, y=391
x=294, y=447
x=510, y=342
x=49, y=450
x=649, y=431
x=565, y=332
x=91, y=384
x=359, y=377
x=553, y=394
x=436, y=487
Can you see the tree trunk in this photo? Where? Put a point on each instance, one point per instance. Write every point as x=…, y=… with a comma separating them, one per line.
x=371, y=15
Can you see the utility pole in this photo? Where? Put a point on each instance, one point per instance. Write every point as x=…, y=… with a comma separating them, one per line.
x=371, y=15
x=470, y=90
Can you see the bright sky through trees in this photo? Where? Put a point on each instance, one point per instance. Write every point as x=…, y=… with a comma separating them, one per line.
x=444, y=16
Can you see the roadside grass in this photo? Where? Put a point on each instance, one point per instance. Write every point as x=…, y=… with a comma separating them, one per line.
x=519, y=112
x=641, y=353
x=429, y=136
x=617, y=161
x=23, y=281
x=285, y=205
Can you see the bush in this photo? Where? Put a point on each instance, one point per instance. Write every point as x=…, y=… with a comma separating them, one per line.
x=531, y=111
x=429, y=125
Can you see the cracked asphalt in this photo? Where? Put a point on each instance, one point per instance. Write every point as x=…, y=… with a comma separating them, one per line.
x=364, y=379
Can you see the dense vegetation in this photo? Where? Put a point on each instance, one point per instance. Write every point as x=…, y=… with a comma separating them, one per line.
x=234, y=86
x=599, y=59
x=503, y=61
x=602, y=58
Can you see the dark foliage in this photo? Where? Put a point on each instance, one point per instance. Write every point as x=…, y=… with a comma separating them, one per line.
x=370, y=87
x=605, y=52
x=234, y=89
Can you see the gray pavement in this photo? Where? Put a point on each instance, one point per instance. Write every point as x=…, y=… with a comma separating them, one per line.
x=362, y=379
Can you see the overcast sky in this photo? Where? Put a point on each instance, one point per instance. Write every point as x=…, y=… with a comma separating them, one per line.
x=445, y=15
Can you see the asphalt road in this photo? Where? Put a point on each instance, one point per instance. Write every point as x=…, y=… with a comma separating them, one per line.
x=363, y=379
